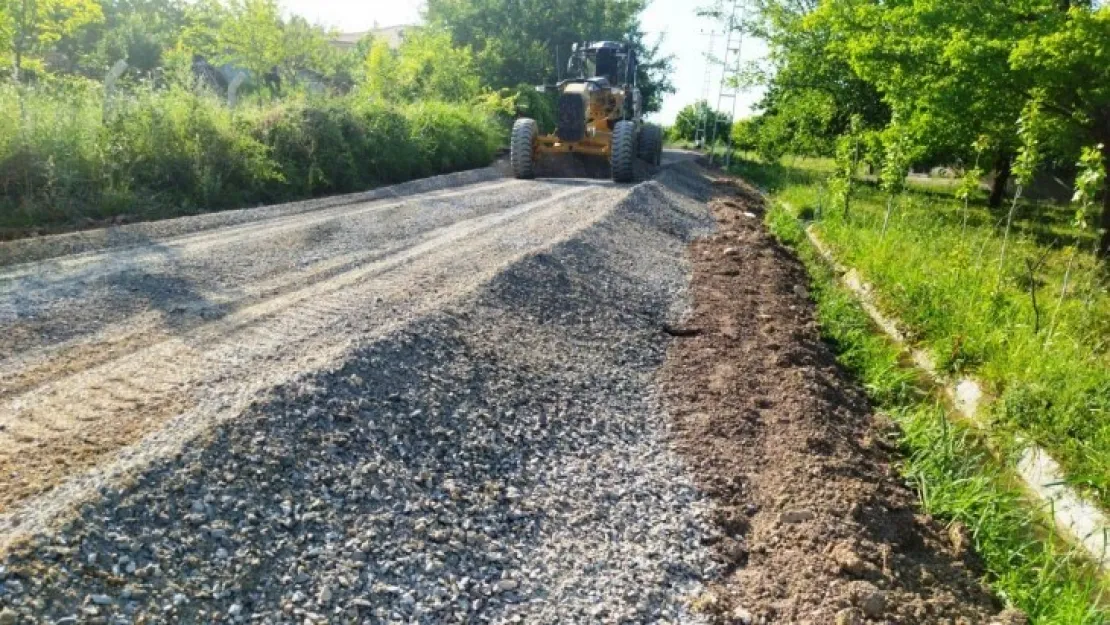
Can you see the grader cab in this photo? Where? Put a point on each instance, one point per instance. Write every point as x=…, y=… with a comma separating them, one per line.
x=599, y=115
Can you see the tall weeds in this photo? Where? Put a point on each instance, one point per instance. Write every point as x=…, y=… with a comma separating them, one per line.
x=65, y=157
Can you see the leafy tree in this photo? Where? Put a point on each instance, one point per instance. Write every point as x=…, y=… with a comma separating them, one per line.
x=813, y=93
x=897, y=154
x=251, y=36
x=1030, y=131
x=426, y=66
x=848, y=152
x=745, y=134
x=138, y=31
x=30, y=26
x=518, y=41
x=956, y=71
x=969, y=182
x=943, y=64
x=1066, y=54
x=692, y=115
x=381, y=66
x=306, y=47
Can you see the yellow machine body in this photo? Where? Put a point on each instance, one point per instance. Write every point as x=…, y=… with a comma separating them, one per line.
x=603, y=109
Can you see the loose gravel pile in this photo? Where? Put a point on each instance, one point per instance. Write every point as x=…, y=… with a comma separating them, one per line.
x=501, y=460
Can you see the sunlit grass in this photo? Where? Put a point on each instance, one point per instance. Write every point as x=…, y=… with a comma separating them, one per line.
x=956, y=476
x=1047, y=366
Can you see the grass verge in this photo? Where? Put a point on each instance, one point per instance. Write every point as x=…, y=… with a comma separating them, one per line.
x=950, y=466
x=1032, y=324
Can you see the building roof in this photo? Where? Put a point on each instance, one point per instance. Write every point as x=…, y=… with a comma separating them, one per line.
x=393, y=35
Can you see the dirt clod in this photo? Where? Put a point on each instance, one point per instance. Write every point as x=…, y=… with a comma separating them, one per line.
x=849, y=616
x=848, y=561
x=773, y=426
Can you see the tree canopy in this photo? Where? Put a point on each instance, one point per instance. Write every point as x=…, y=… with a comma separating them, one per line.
x=957, y=76
x=518, y=41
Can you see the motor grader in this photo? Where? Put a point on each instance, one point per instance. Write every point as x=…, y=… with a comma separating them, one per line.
x=599, y=115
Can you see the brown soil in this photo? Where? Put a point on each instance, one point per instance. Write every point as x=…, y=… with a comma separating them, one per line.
x=818, y=527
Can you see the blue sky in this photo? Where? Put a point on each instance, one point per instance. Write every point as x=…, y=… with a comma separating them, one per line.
x=674, y=19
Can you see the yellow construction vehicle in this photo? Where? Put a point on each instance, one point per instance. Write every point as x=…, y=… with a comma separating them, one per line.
x=599, y=115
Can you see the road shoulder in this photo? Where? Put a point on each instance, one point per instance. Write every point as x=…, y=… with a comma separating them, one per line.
x=817, y=524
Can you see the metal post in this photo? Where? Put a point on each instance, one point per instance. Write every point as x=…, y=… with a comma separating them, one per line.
x=736, y=85
x=729, y=30
x=701, y=131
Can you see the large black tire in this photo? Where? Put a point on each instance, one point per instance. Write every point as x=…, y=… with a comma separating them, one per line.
x=522, y=147
x=651, y=143
x=622, y=152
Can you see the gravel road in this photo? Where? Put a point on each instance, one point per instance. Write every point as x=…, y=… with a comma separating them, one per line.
x=431, y=403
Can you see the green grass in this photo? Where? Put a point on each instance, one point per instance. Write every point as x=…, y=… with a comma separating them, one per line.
x=67, y=156
x=1047, y=369
x=957, y=477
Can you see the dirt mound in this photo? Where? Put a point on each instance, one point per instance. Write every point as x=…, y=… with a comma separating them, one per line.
x=818, y=527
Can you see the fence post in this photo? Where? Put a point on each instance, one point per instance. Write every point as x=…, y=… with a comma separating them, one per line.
x=110, y=83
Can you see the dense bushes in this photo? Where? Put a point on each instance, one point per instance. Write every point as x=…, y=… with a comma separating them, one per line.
x=67, y=155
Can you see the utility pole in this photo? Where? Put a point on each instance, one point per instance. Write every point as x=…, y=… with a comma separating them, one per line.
x=730, y=89
x=701, y=131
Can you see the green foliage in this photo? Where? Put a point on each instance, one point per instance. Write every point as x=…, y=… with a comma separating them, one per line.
x=516, y=42
x=811, y=94
x=896, y=158
x=29, y=27
x=1030, y=134
x=955, y=72
x=1088, y=181
x=138, y=31
x=745, y=134
x=249, y=35
x=935, y=275
x=527, y=102
x=426, y=67
x=842, y=182
x=691, y=116
x=969, y=182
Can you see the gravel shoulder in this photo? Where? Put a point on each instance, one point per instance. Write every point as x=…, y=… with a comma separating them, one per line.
x=816, y=524
x=116, y=356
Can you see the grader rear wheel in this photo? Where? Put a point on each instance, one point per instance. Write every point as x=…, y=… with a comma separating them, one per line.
x=622, y=152
x=522, y=148
x=651, y=143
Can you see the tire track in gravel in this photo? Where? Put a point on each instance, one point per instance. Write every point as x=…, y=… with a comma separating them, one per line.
x=104, y=290
x=147, y=390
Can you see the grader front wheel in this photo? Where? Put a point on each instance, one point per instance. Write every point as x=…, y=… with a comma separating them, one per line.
x=522, y=147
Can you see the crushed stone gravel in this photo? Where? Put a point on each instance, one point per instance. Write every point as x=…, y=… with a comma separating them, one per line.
x=501, y=459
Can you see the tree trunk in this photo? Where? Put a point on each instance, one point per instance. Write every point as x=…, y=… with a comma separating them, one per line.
x=1001, y=177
